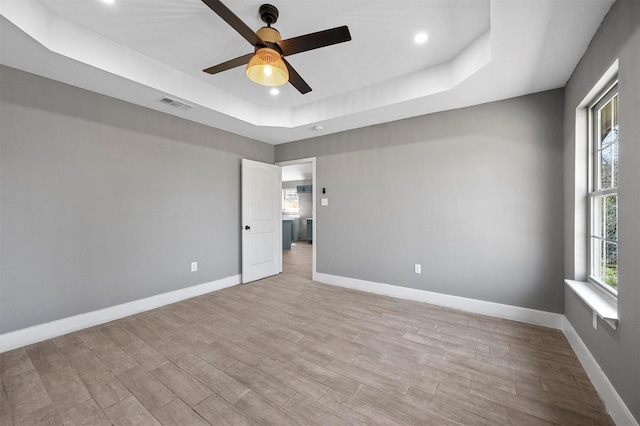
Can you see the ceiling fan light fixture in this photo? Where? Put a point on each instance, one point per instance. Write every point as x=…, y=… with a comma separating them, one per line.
x=267, y=68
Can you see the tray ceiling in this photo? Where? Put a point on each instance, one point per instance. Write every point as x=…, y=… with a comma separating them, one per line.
x=142, y=50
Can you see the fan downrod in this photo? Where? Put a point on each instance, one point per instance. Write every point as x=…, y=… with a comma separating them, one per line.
x=268, y=14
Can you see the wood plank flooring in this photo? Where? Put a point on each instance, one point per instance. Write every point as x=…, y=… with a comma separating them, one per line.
x=288, y=351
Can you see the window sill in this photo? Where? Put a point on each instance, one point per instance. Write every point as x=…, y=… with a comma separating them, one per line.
x=603, y=305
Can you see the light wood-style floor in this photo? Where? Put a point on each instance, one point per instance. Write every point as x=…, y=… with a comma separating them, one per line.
x=286, y=350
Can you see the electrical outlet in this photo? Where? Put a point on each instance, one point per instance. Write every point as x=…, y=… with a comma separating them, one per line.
x=194, y=266
x=417, y=268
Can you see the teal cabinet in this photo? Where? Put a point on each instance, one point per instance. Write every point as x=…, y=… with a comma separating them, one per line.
x=286, y=234
x=295, y=230
x=305, y=189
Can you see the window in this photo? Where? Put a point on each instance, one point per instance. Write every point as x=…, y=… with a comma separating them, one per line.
x=290, y=200
x=603, y=192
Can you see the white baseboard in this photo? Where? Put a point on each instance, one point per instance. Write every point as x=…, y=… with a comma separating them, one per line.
x=615, y=406
x=40, y=332
x=532, y=316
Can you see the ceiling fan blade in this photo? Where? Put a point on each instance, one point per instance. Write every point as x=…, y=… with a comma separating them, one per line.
x=312, y=41
x=295, y=79
x=236, y=23
x=242, y=60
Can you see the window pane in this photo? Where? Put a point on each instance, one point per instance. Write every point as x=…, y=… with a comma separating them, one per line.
x=597, y=220
x=605, y=167
x=614, y=144
x=605, y=123
x=611, y=265
x=615, y=117
x=605, y=217
x=614, y=165
x=610, y=214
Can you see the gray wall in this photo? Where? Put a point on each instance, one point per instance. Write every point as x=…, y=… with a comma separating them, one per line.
x=473, y=195
x=104, y=202
x=617, y=353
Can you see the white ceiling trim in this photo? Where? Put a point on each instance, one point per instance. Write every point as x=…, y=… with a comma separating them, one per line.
x=530, y=46
x=437, y=79
x=77, y=43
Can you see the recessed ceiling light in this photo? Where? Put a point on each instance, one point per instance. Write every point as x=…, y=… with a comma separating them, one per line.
x=420, y=38
x=108, y=1
x=274, y=91
x=317, y=128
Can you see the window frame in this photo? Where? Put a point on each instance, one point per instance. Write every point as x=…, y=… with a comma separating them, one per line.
x=595, y=194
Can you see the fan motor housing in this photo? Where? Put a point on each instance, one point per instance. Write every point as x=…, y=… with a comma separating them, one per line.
x=269, y=34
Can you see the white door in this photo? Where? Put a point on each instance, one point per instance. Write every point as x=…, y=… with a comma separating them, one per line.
x=261, y=220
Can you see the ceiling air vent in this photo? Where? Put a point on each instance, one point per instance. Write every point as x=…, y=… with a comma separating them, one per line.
x=174, y=103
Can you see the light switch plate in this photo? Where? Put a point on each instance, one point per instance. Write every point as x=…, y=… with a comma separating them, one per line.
x=595, y=320
x=194, y=266
x=324, y=201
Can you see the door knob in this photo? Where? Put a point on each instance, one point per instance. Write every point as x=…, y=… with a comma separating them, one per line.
x=247, y=227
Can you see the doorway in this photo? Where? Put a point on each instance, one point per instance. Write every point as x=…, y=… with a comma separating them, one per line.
x=299, y=213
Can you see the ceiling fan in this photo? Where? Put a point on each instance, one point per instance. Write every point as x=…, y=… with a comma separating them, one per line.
x=267, y=65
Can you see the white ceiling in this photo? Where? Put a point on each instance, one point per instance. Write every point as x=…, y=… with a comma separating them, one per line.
x=141, y=50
